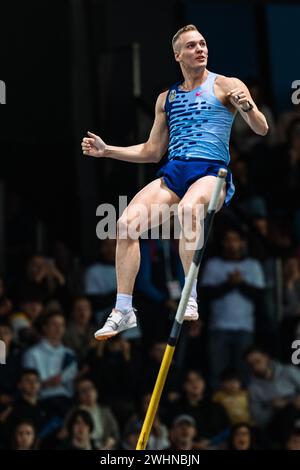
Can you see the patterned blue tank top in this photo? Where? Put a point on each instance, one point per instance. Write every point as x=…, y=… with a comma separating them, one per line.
x=199, y=124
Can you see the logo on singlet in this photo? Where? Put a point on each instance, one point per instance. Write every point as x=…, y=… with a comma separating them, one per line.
x=199, y=93
x=172, y=96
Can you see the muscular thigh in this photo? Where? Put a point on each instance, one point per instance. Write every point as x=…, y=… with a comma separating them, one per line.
x=201, y=191
x=153, y=198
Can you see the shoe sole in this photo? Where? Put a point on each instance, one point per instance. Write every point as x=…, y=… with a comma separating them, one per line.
x=191, y=318
x=104, y=336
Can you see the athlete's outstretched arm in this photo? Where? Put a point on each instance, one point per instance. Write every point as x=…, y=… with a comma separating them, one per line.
x=239, y=96
x=150, y=151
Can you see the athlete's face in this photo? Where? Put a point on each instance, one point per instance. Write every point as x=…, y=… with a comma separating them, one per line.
x=191, y=50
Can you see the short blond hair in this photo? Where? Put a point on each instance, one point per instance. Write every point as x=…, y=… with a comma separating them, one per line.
x=184, y=29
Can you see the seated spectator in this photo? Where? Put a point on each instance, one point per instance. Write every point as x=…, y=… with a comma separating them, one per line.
x=80, y=428
x=79, y=334
x=24, y=436
x=210, y=417
x=105, y=433
x=232, y=397
x=272, y=385
x=26, y=405
x=55, y=363
x=241, y=437
x=233, y=284
x=183, y=433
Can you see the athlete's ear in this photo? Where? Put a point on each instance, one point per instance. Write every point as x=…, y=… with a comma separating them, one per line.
x=176, y=55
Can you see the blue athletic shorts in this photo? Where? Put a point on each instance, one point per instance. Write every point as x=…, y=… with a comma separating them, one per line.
x=179, y=174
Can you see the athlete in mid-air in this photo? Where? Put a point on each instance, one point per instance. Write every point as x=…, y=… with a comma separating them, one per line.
x=193, y=122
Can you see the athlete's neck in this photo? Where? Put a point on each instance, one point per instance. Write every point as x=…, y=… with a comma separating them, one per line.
x=193, y=79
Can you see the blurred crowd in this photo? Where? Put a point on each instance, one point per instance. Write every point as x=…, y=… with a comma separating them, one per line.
x=234, y=382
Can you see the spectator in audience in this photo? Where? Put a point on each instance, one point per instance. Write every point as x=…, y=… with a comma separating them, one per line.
x=183, y=433
x=79, y=334
x=241, y=437
x=105, y=433
x=24, y=436
x=26, y=405
x=55, y=363
x=211, y=418
x=232, y=397
x=233, y=283
x=80, y=428
x=272, y=385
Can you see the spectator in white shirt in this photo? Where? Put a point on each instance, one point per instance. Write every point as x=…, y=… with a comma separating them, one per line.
x=232, y=284
x=55, y=363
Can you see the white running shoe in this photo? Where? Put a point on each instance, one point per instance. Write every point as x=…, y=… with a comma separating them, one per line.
x=191, y=312
x=115, y=323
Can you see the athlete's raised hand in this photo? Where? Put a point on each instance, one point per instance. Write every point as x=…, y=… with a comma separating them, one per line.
x=93, y=145
x=238, y=97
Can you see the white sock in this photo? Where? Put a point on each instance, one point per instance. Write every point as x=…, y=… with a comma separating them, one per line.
x=194, y=289
x=124, y=303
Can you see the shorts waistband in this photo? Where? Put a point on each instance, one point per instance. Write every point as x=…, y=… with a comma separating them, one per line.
x=198, y=159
